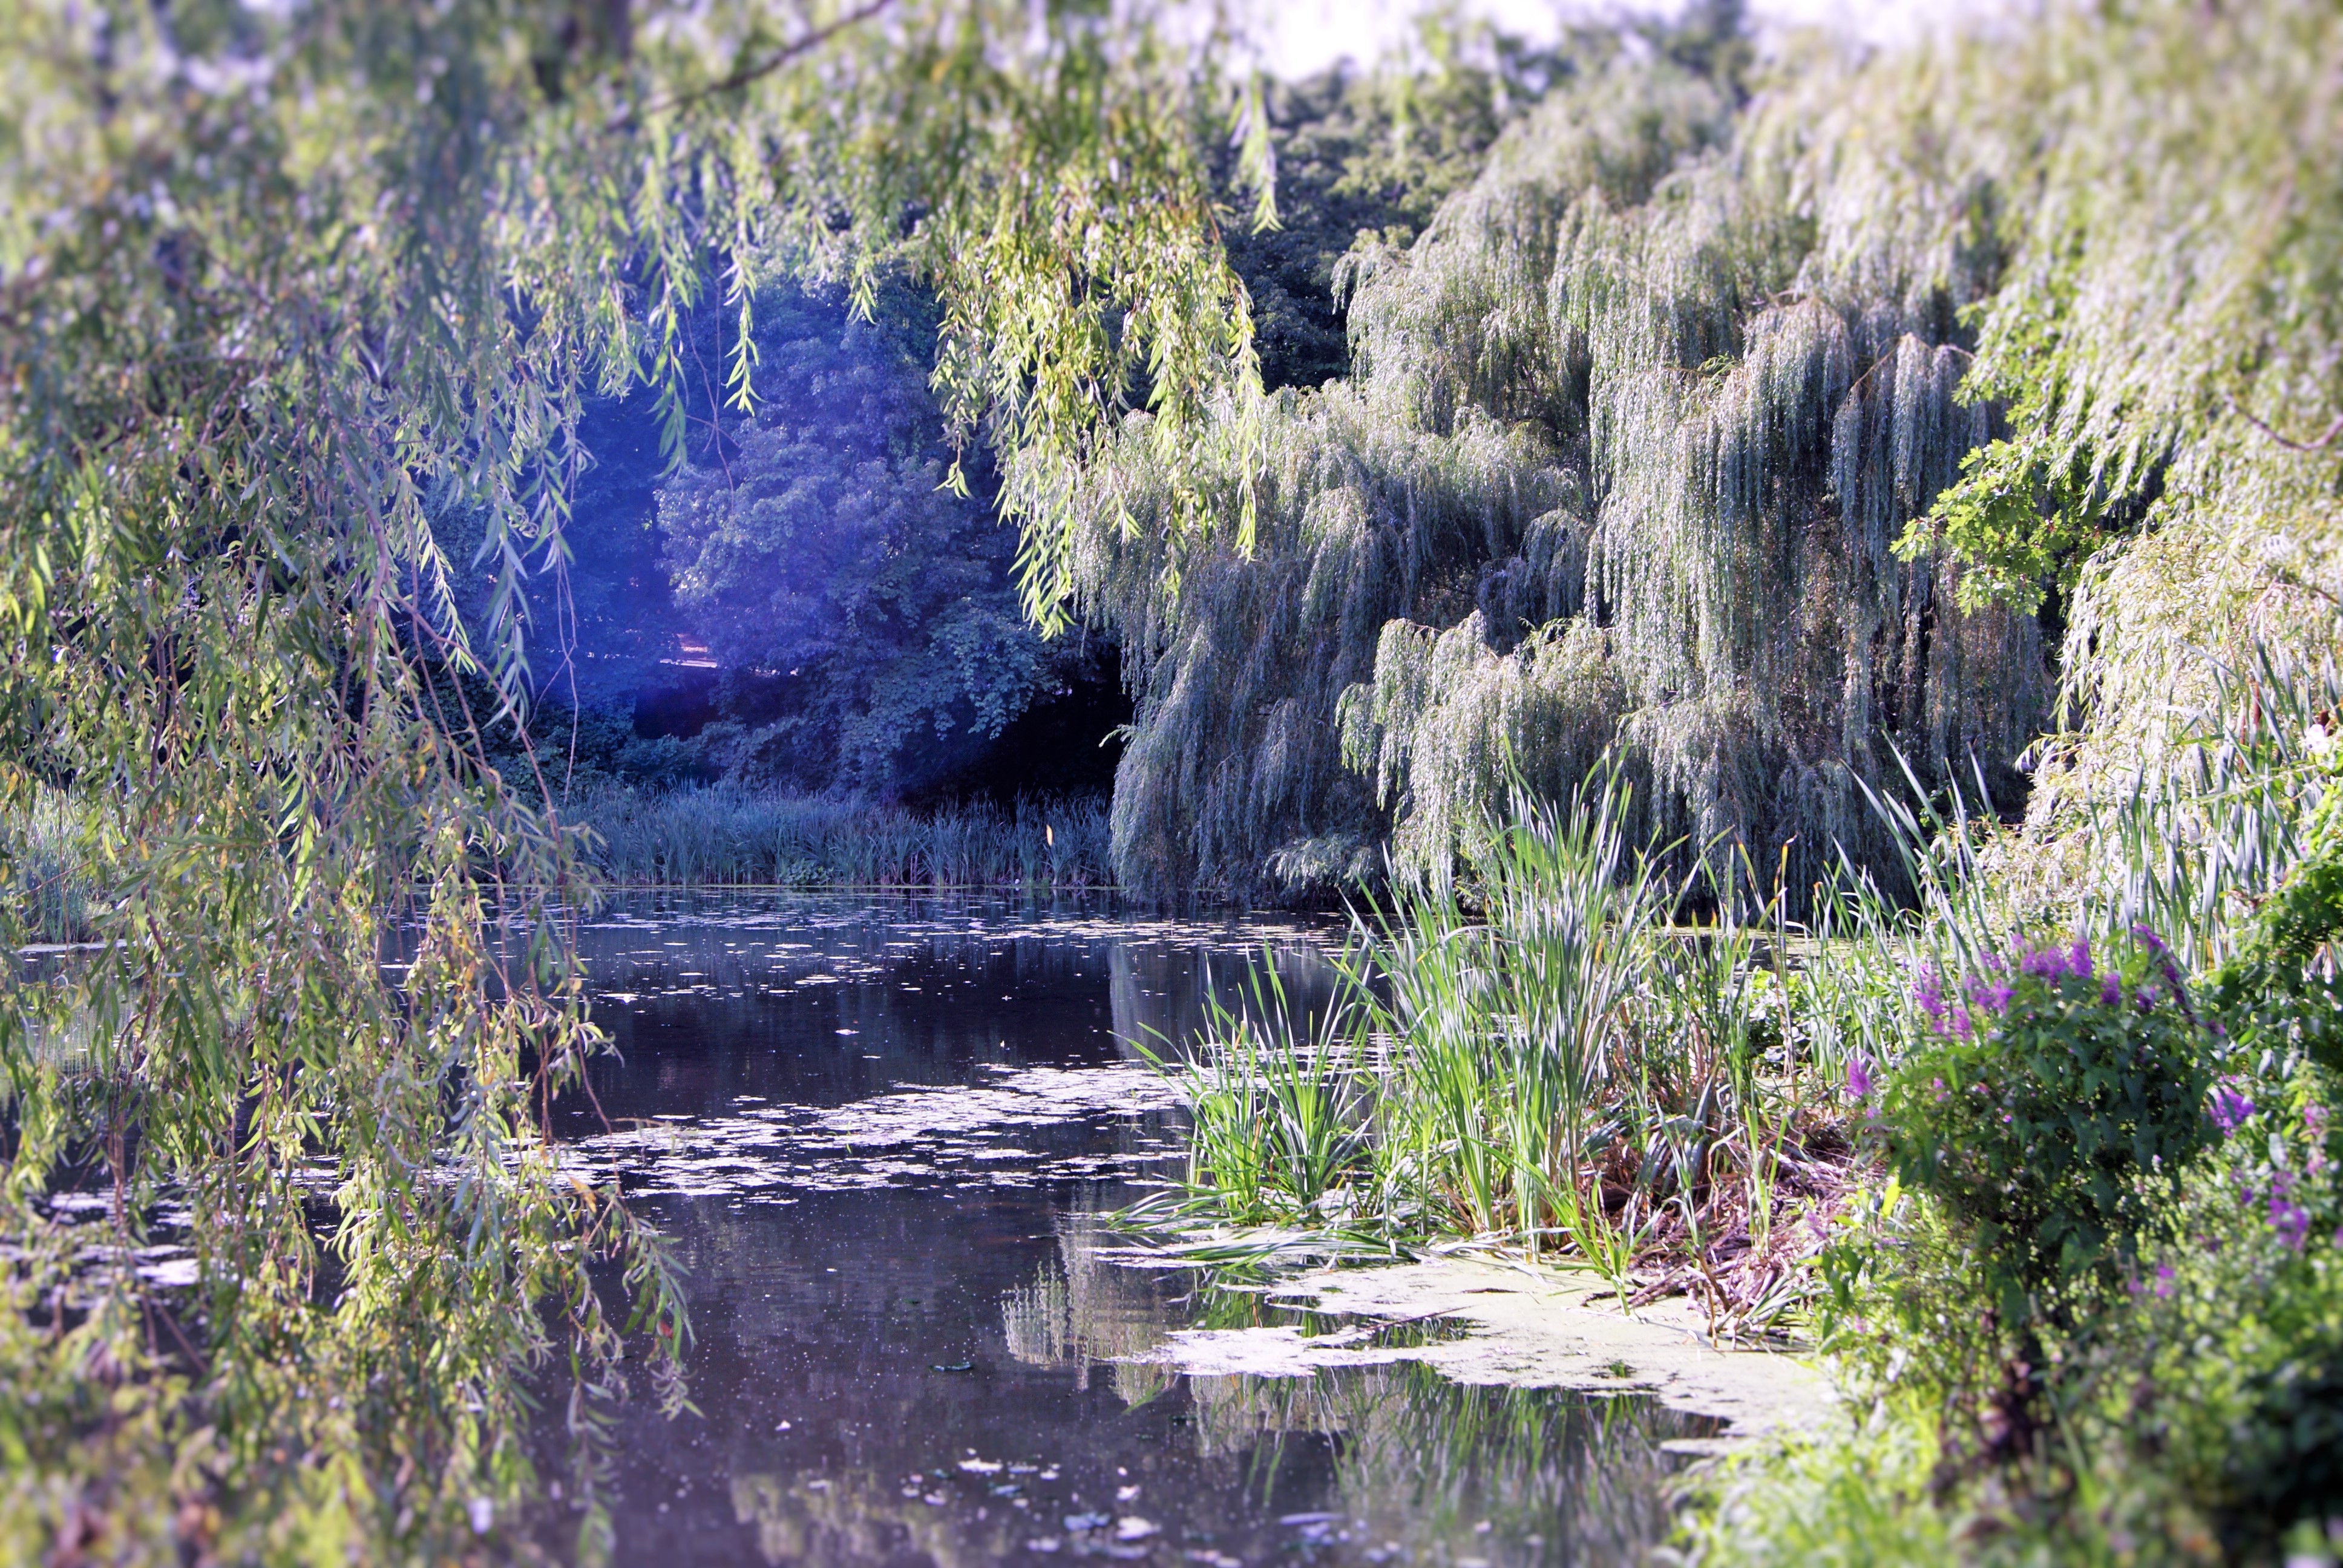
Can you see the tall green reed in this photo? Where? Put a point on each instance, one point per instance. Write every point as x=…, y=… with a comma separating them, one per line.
x=2208, y=831
x=1566, y=1050
x=1279, y=1100
x=1571, y=912
x=55, y=876
x=1514, y=1002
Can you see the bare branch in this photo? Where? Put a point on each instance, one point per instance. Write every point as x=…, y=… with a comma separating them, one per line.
x=772, y=62
x=2318, y=445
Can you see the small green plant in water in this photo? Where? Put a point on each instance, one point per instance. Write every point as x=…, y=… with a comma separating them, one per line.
x=1281, y=1125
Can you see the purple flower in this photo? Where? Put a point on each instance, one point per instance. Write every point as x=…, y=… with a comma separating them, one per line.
x=2055, y=964
x=2148, y=940
x=2163, y=1279
x=2110, y=989
x=2229, y=1106
x=1988, y=998
x=1928, y=991
x=1858, y=1079
x=2291, y=1220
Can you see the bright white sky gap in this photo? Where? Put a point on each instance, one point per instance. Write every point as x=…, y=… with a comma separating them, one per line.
x=1305, y=35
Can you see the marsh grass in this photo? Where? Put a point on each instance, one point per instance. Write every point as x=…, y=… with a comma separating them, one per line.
x=730, y=836
x=1280, y=1100
x=1562, y=1053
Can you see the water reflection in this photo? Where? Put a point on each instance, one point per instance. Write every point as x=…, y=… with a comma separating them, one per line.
x=881, y=1135
x=1082, y=1312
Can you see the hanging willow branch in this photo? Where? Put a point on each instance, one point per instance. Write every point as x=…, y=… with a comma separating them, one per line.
x=2318, y=443
x=283, y=291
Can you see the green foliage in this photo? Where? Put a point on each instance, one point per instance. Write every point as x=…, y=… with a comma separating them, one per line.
x=1648, y=372
x=280, y=288
x=1972, y=305
x=2185, y=1411
x=2116, y=1312
x=1846, y=1497
x=2017, y=528
x=2279, y=992
x=1364, y=158
x=866, y=613
x=2164, y=347
x=1449, y=722
x=2041, y=1117
x=2240, y=1324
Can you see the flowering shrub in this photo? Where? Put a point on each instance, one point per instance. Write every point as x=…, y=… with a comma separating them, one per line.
x=2238, y=1322
x=2051, y=1099
x=2277, y=1161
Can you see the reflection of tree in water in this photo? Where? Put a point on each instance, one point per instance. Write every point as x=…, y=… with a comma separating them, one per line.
x=1423, y=1463
x=1163, y=995
x=1081, y=1310
x=861, y=1516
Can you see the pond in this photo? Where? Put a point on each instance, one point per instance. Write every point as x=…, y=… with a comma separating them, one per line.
x=883, y=1134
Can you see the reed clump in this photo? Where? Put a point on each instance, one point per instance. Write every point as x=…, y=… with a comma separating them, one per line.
x=1565, y=1050
x=729, y=835
x=53, y=876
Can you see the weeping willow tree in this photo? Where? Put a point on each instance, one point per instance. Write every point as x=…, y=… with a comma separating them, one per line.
x=2170, y=349
x=278, y=286
x=1766, y=441
x=1632, y=438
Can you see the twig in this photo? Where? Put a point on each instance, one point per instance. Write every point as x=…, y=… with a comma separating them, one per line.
x=2320, y=445
x=771, y=63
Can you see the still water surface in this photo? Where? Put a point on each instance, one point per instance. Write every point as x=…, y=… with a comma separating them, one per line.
x=881, y=1134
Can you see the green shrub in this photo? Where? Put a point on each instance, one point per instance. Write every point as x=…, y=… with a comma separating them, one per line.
x=2048, y=1106
x=2216, y=1373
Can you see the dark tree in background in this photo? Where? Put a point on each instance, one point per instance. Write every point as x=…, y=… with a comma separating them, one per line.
x=862, y=614
x=1369, y=153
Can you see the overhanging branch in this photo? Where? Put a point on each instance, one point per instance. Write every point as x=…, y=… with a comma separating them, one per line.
x=772, y=62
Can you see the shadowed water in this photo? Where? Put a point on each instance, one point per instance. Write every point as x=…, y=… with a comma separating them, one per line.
x=882, y=1133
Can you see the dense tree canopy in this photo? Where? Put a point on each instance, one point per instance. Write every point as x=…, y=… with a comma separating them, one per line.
x=1755, y=435
x=280, y=288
